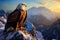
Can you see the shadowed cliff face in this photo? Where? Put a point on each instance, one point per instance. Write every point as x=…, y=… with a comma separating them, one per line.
x=39, y=20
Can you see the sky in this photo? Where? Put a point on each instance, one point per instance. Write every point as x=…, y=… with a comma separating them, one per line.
x=53, y=5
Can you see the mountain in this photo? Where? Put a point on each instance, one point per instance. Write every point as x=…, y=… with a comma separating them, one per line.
x=3, y=19
x=41, y=10
x=53, y=31
x=2, y=13
x=8, y=12
x=39, y=20
x=56, y=24
x=3, y=16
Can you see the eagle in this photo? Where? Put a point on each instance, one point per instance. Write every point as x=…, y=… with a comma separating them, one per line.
x=17, y=17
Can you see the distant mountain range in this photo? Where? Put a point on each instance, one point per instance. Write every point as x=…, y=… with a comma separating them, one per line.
x=3, y=19
x=2, y=13
x=41, y=15
x=41, y=10
x=39, y=20
x=3, y=16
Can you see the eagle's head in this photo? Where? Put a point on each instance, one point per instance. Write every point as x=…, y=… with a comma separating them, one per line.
x=21, y=6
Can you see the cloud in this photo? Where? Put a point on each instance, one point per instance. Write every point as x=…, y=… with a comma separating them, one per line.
x=40, y=3
x=57, y=0
x=53, y=5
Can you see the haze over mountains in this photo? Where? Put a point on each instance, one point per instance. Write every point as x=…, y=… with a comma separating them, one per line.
x=42, y=11
x=41, y=15
x=2, y=19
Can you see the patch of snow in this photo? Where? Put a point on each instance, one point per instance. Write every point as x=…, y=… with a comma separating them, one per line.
x=39, y=35
x=10, y=35
x=2, y=26
x=3, y=19
x=27, y=37
x=29, y=26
